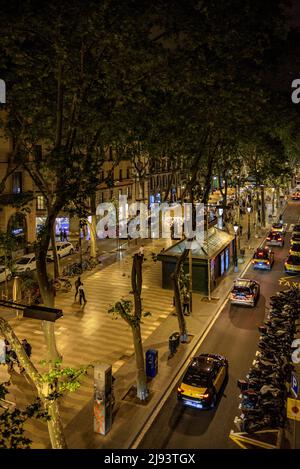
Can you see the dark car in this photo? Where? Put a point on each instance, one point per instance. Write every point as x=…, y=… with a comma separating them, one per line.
x=275, y=239
x=263, y=258
x=203, y=381
x=245, y=292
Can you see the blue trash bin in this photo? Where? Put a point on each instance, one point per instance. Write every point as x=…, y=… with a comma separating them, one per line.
x=151, y=363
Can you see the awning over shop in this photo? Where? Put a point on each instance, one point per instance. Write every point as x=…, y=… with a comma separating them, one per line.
x=211, y=247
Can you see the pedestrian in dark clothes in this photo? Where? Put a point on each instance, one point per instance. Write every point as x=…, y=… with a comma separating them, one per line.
x=61, y=234
x=65, y=236
x=81, y=294
x=77, y=285
x=27, y=347
x=186, y=304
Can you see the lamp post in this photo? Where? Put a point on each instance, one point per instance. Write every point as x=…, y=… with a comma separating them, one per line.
x=235, y=227
x=249, y=211
x=220, y=219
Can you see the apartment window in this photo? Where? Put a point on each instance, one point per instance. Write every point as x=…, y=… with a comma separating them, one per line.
x=110, y=154
x=120, y=175
x=128, y=173
x=111, y=195
x=101, y=176
x=40, y=202
x=17, y=183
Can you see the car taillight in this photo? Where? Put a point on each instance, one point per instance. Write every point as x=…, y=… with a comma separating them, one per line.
x=279, y=239
x=268, y=238
x=179, y=389
x=204, y=396
x=268, y=262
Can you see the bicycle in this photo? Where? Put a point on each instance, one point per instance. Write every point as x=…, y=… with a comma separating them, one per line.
x=62, y=283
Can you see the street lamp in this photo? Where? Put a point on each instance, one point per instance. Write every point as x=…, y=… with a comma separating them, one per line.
x=249, y=211
x=220, y=219
x=235, y=227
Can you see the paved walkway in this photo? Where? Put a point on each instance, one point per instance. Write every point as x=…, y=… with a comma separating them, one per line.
x=88, y=335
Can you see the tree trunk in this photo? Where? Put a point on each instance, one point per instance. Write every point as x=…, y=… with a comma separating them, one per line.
x=93, y=237
x=207, y=184
x=177, y=296
x=263, y=209
x=141, y=382
x=44, y=284
x=55, y=255
x=92, y=227
x=136, y=283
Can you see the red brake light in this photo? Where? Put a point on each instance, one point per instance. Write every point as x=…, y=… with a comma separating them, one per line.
x=204, y=396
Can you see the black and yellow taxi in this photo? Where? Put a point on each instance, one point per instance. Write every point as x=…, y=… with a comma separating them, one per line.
x=292, y=265
x=278, y=228
x=295, y=249
x=203, y=381
x=263, y=258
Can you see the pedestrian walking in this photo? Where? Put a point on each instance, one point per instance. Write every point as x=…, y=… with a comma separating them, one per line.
x=27, y=347
x=186, y=304
x=77, y=285
x=61, y=234
x=10, y=356
x=65, y=236
x=141, y=250
x=81, y=294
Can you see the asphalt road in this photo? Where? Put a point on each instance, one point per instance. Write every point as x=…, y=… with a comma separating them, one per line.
x=234, y=335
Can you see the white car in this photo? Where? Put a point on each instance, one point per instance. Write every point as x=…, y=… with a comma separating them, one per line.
x=26, y=263
x=64, y=248
x=5, y=274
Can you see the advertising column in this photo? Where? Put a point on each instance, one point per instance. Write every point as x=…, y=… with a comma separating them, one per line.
x=102, y=398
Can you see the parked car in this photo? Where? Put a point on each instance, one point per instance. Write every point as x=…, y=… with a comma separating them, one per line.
x=25, y=263
x=203, y=380
x=296, y=230
x=292, y=265
x=263, y=258
x=64, y=248
x=5, y=274
x=275, y=239
x=295, y=239
x=245, y=292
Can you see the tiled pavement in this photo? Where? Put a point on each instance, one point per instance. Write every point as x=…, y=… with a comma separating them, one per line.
x=86, y=335
x=89, y=334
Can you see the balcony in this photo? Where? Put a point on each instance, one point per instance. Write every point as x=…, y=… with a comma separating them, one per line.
x=16, y=200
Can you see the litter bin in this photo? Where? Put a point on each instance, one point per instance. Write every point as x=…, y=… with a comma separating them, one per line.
x=174, y=342
x=151, y=363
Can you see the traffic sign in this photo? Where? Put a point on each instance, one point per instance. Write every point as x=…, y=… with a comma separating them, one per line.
x=294, y=385
x=293, y=409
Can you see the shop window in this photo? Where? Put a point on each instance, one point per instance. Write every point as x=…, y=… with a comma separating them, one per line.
x=17, y=182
